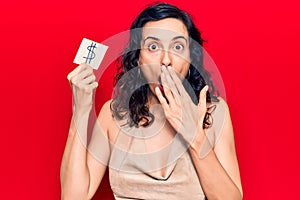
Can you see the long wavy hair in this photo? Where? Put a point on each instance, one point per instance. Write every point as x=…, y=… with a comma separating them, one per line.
x=133, y=105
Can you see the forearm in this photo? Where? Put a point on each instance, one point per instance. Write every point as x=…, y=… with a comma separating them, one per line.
x=216, y=183
x=75, y=176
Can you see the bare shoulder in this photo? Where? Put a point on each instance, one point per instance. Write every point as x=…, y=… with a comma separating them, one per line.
x=219, y=111
x=105, y=110
x=219, y=106
x=219, y=118
x=105, y=116
x=223, y=129
x=108, y=121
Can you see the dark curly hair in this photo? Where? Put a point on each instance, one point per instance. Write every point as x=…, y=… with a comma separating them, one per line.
x=134, y=105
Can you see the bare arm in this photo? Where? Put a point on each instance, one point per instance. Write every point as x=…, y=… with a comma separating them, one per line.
x=218, y=171
x=81, y=173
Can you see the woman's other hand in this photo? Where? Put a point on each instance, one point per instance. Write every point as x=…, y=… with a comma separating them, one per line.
x=184, y=116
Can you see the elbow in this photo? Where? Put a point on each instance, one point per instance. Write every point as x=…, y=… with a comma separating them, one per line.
x=72, y=189
x=73, y=196
x=70, y=193
x=241, y=195
x=237, y=195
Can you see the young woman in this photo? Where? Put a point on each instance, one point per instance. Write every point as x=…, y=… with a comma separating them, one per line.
x=165, y=134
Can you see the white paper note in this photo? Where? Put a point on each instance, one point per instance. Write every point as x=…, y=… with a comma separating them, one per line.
x=90, y=53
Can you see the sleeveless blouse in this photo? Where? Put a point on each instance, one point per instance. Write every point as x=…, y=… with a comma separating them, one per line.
x=179, y=182
x=132, y=175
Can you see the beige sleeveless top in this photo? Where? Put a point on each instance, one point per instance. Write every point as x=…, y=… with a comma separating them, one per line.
x=132, y=173
x=132, y=170
x=179, y=182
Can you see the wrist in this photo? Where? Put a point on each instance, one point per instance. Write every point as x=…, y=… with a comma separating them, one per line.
x=80, y=122
x=197, y=143
x=81, y=111
x=202, y=146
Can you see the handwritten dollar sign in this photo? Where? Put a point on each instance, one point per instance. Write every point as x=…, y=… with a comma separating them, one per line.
x=91, y=55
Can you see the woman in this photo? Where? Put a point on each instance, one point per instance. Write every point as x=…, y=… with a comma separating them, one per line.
x=160, y=134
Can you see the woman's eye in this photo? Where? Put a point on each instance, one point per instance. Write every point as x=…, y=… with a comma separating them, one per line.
x=178, y=47
x=153, y=47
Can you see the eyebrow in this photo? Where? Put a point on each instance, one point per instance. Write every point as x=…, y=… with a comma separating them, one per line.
x=151, y=37
x=157, y=39
x=179, y=37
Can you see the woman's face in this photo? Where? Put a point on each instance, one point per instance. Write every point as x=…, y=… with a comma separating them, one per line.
x=164, y=42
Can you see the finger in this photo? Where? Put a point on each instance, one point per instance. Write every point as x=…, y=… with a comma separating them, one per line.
x=202, y=103
x=90, y=88
x=177, y=81
x=171, y=85
x=82, y=75
x=176, y=93
x=76, y=71
x=89, y=79
x=167, y=89
x=94, y=85
x=170, y=82
x=162, y=99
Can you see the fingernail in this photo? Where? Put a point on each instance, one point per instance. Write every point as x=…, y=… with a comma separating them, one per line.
x=206, y=89
x=163, y=67
x=169, y=67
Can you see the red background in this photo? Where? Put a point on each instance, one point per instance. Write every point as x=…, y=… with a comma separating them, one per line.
x=255, y=45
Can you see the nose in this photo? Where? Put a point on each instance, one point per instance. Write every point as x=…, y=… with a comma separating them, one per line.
x=166, y=60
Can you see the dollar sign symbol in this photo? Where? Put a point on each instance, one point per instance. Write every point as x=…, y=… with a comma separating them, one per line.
x=91, y=55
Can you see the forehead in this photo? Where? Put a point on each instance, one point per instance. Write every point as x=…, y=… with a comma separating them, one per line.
x=165, y=28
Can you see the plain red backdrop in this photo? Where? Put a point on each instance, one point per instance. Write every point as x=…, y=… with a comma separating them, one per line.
x=255, y=45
